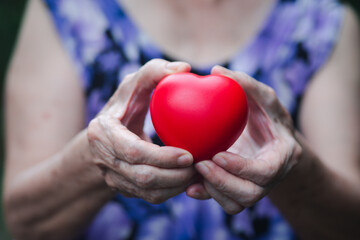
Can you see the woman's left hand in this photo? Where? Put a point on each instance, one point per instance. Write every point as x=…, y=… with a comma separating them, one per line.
x=262, y=156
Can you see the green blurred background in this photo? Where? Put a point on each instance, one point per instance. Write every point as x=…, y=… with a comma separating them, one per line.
x=10, y=17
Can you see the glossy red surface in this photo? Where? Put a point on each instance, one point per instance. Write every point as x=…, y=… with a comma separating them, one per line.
x=202, y=114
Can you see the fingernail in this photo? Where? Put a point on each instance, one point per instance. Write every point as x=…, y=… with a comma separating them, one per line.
x=220, y=161
x=174, y=66
x=185, y=160
x=202, y=168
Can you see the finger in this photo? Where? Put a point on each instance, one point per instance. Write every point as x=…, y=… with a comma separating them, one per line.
x=254, y=89
x=229, y=205
x=149, y=177
x=119, y=183
x=132, y=149
x=141, y=84
x=158, y=196
x=125, y=145
x=155, y=70
x=261, y=171
x=244, y=192
x=197, y=191
x=128, y=189
x=134, y=97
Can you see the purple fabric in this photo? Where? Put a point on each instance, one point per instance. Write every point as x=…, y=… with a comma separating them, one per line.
x=295, y=41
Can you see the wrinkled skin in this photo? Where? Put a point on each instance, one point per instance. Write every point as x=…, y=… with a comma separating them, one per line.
x=131, y=164
x=238, y=178
x=263, y=155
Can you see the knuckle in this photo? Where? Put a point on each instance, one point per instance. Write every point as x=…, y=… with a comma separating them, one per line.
x=271, y=97
x=271, y=93
x=155, y=62
x=97, y=142
x=93, y=130
x=132, y=154
x=96, y=127
x=151, y=66
x=128, y=77
x=254, y=195
x=117, y=184
x=221, y=186
x=144, y=178
x=242, y=167
x=267, y=91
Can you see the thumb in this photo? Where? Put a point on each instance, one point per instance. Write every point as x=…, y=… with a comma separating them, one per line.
x=140, y=88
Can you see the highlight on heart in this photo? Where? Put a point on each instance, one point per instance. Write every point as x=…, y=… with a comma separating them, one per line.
x=201, y=114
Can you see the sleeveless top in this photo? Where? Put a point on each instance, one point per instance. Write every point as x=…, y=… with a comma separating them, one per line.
x=294, y=42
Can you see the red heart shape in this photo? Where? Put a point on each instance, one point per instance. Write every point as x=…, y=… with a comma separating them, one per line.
x=201, y=114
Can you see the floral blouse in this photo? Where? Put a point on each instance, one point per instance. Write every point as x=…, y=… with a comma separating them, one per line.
x=294, y=42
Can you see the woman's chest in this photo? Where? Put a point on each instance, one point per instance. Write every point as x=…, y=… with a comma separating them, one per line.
x=201, y=35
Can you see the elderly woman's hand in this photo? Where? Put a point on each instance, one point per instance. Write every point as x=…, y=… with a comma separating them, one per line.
x=262, y=156
x=131, y=164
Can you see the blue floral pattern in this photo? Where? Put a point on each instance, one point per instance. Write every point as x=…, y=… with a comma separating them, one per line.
x=293, y=44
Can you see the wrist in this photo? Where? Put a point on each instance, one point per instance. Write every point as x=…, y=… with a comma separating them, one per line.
x=87, y=172
x=305, y=171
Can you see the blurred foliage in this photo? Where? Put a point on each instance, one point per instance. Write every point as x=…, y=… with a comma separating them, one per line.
x=10, y=17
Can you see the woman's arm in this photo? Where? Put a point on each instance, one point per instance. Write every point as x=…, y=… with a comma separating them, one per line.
x=48, y=181
x=53, y=186
x=313, y=179
x=321, y=198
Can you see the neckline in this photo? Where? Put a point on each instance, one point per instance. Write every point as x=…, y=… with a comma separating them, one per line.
x=156, y=50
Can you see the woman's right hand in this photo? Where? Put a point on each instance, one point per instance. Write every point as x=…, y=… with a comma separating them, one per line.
x=131, y=164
